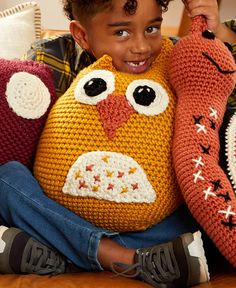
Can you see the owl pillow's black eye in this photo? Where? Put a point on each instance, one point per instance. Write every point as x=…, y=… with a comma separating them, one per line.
x=94, y=87
x=147, y=97
x=144, y=95
x=208, y=35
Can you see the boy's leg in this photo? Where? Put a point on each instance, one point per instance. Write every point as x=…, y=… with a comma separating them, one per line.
x=177, y=263
x=2, y=222
x=168, y=254
x=180, y=222
x=21, y=254
x=24, y=205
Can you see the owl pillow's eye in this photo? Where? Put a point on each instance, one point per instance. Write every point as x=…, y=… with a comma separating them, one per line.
x=94, y=87
x=147, y=97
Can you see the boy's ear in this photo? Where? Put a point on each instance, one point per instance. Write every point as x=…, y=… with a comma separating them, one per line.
x=79, y=33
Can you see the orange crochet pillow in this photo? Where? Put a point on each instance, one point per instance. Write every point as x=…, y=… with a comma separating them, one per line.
x=202, y=71
x=105, y=152
x=27, y=94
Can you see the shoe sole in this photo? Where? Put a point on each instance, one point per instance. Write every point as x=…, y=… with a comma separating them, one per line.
x=7, y=236
x=193, y=246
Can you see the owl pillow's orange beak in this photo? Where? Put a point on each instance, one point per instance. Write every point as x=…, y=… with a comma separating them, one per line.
x=114, y=111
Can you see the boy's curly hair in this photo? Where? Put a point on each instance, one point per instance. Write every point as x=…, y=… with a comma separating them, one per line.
x=82, y=9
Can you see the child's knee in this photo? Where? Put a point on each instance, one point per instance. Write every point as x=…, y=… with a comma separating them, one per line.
x=13, y=175
x=11, y=167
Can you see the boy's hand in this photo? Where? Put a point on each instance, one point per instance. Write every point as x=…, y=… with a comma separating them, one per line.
x=210, y=9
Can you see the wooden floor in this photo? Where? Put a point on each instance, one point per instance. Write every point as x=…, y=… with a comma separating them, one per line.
x=223, y=277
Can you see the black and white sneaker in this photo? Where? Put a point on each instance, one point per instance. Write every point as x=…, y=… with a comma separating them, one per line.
x=179, y=263
x=21, y=254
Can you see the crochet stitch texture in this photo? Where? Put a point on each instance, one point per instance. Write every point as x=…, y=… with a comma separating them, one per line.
x=230, y=150
x=202, y=71
x=26, y=95
x=105, y=152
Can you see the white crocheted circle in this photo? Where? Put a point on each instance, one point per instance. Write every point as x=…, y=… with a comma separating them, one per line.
x=27, y=95
x=80, y=93
x=160, y=102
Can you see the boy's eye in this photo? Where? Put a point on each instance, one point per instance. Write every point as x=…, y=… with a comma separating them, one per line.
x=153, y=29
x=122, y=33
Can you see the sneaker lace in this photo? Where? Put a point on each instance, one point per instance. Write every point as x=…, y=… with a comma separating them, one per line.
x=154, y=265
x=43, y=261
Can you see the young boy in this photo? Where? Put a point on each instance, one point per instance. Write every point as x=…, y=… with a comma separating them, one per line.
x=129, y=31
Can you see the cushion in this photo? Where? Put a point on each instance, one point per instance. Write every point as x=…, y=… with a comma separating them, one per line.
x=202, y=71
x=102, y=279
x=26, y=95
x=105, y=152
x=19, y=26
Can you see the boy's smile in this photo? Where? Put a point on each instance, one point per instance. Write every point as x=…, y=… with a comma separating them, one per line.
x=133, y=41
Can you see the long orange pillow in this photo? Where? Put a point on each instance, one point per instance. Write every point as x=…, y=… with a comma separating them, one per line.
x=202, y=71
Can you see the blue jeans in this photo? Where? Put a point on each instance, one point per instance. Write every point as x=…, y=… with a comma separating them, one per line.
x=24, y=205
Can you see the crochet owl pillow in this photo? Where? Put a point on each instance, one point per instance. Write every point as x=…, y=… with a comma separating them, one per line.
x=202, y=71
x=26, y=96
x=105, y=152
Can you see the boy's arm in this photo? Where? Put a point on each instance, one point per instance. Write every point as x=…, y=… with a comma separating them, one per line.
x=231, y=25
x=227, y=32
x=210, y=9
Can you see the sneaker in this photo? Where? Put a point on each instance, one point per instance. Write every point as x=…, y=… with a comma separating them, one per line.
x=180, y=263
x=21, y=254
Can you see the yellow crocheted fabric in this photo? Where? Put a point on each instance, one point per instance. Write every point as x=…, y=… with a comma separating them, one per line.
x=105, y=152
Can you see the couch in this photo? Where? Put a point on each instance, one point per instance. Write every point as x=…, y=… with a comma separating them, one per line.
x=223, y=274
x=223, y=277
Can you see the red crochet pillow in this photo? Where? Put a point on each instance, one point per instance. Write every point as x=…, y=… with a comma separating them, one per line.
x=202, y=71
x=26, y=95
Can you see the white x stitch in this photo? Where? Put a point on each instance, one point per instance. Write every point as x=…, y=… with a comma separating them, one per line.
x=227, y=212
x=201, y=128
x=198, y=161
x=197, y=176
x=208, y=192
x=213, y=113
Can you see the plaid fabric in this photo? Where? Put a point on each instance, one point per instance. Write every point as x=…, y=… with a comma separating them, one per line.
x=63, y=56
x=232, y=99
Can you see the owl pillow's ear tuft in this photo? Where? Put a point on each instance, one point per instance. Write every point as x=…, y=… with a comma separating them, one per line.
x=27, y=94
x=105, y=63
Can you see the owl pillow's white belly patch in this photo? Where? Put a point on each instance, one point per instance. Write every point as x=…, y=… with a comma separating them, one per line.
x=110, y=176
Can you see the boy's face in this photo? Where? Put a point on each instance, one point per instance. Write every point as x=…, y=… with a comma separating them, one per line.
x=133, y=41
